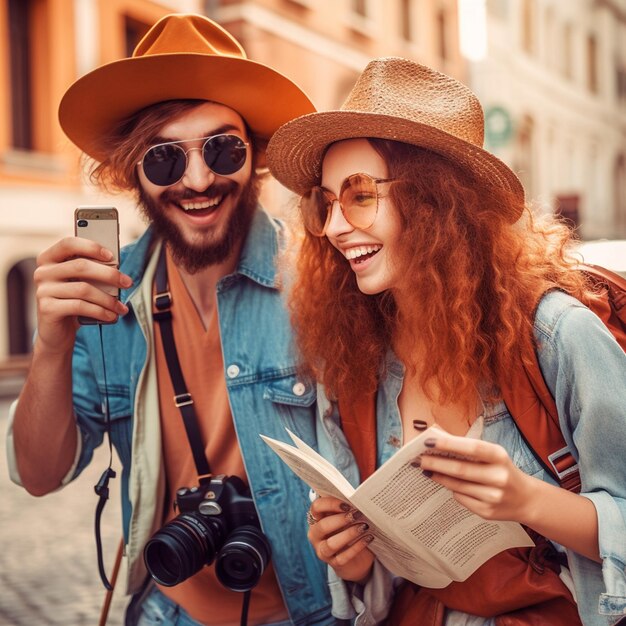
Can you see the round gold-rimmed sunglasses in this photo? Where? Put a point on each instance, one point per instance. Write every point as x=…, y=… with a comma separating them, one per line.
x=165, y=163
x=358, y=201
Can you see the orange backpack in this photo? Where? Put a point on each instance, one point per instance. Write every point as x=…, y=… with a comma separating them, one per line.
x=519, y=586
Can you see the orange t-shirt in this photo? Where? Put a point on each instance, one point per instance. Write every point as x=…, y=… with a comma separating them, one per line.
x=200, y=356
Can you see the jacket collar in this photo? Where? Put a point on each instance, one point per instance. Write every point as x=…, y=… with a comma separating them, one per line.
x=258, y=256
x=257, y=260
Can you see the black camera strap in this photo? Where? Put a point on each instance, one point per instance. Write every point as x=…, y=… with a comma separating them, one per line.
x=162, y=314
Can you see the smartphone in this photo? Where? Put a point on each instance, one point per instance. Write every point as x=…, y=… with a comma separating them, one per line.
x=101, y=224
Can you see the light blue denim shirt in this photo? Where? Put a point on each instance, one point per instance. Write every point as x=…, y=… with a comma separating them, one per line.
x=585, y=369
x=265, y=396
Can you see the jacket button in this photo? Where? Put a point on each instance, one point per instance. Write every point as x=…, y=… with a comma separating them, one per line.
x=232, y=371
x=299, y=389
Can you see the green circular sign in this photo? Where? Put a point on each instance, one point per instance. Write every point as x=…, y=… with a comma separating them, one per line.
x=498, y=126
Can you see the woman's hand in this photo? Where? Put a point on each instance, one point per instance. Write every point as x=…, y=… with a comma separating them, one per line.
x=482, y=477
x=339, y=536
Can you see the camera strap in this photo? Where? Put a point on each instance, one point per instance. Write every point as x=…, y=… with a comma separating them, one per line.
x=162, y=314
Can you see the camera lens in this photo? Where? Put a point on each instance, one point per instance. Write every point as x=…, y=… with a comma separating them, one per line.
x=82, y=223
x=180, y=549
x=243, y=559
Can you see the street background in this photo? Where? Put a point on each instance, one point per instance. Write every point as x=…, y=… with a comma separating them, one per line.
x=48, y=565
x=551, y=77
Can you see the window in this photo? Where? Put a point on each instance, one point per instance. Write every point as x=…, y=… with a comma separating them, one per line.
x=442, y=34
x=528, y=26
x=620, y=81
x=592, y=64
x=360, y=18
x=549, y=39
x=20, y=72
x=498, y=8
x=524, y=151
x=568, y=207
x=567, y=51
x=134, y=30
x=406, y=29
x=308, y=4
x=360, y=7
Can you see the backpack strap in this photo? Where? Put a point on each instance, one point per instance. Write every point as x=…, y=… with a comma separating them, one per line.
x=529, y=400
x=611, y=309
x=358, y=422
x=533, y=408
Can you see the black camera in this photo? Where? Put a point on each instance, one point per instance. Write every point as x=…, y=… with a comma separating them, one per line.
x=217, y=521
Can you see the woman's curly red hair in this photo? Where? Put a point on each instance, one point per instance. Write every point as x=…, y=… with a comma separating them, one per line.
x=469, y=282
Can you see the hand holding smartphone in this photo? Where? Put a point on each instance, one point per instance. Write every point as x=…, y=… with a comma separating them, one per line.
x=100, y=224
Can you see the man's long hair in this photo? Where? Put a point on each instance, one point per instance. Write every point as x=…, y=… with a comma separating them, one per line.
x=469, y=283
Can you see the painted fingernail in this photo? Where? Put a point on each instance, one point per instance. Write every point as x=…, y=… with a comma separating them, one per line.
x=420, y=425
x=431, y=442
x=416, y=463
x=427, y=473
x=368, y=538
x=345, y=507
x=364, y=527
x=354, y=515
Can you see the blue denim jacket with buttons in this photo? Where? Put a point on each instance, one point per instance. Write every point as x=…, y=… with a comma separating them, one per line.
x=265, y=397
x=585, y=370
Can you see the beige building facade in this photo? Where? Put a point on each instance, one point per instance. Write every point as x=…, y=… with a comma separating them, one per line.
x=553, y=83
x=46, y=44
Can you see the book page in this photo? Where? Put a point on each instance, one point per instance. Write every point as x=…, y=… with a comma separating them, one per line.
x=312, y=468
x=424, y=518
x=403, y=561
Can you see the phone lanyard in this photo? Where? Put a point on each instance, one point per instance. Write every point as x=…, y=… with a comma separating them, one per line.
x=102, y=487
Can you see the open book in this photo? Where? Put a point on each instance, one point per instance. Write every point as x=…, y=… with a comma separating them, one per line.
x=420, y=531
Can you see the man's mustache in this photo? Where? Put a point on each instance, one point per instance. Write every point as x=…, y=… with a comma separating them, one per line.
x=214, y=191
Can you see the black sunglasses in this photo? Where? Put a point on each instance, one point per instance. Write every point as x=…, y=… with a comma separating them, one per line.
x=165, y=163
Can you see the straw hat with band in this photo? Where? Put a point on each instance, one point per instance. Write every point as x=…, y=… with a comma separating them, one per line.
x=183, y=56
x=397, y=99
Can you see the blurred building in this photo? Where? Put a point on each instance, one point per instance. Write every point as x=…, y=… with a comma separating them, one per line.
x=46, y=44
x=552, y=78
x=325, y=44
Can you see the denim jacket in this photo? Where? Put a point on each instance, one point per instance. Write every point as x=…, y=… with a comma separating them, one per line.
x=265, y=397
x=585, y=370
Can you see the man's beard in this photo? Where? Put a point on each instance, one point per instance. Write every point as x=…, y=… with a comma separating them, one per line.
x=196, y=256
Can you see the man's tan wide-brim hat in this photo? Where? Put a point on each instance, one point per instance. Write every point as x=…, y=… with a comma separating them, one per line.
x=182, y=56
x=396, y=99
